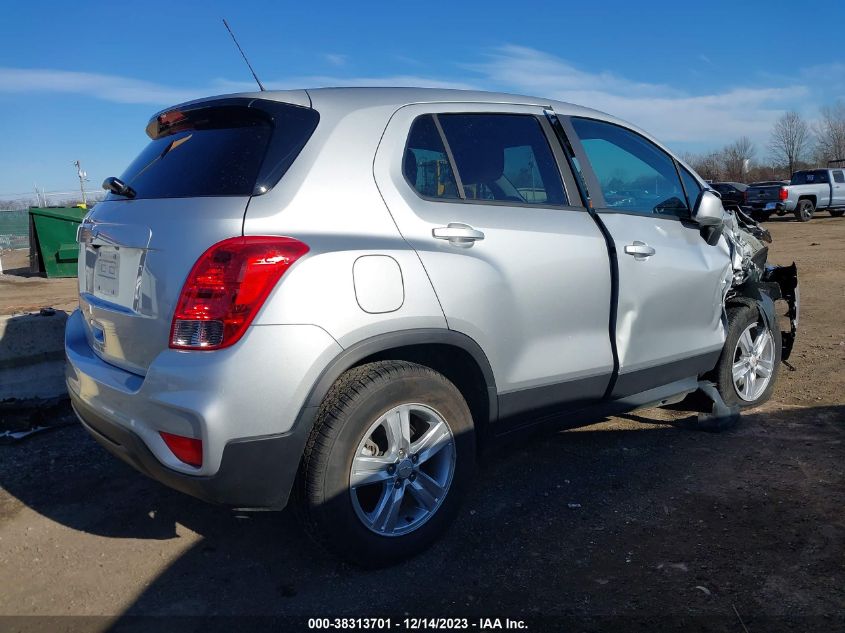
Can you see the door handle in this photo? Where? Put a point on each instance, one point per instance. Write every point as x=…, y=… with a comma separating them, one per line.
x=460, y=235
x=640, y=250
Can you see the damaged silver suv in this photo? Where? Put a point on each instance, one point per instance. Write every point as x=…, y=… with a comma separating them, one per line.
x=340, y=295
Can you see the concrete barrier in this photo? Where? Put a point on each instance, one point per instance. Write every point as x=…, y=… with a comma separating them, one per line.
x=32, y=356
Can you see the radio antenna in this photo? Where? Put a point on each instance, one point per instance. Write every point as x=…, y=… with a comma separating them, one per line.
x=257, y=80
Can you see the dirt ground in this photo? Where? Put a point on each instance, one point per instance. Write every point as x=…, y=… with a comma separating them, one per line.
x=636, y=523
x=21, y=291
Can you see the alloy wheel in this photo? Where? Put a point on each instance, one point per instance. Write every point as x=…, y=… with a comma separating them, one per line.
x=754, y=359
x=402, y=469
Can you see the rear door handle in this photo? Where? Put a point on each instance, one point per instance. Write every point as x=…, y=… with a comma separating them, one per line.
x=640, y=250
x=460, y=235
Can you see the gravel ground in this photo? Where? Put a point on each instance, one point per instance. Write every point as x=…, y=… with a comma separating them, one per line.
x=636, y=523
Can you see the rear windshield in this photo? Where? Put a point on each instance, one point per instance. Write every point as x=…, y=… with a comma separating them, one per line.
x=221, y=150
x=809, y=177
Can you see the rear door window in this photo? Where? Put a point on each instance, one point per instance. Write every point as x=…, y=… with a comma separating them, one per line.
x=838, y=176
x=230, y=150
x=503, y=158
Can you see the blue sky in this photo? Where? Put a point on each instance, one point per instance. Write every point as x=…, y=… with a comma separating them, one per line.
x=79, y=80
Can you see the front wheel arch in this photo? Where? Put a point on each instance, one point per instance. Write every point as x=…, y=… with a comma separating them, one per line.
x=741, y=317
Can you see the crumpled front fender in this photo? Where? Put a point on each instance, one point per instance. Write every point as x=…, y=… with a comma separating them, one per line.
x=777, y=282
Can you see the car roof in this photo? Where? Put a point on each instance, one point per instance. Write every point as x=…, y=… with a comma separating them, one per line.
x=344, y=99
x=354, y=98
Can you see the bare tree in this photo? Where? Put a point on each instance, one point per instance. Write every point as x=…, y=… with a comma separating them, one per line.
x=708, y=166
x=737, y=158
x=830, y=133
x=790, y=139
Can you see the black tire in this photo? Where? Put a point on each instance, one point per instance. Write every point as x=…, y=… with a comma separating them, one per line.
x=782, y=212
x=837, y=213
x=355, y=402
x=739, y=319
x=804, y=211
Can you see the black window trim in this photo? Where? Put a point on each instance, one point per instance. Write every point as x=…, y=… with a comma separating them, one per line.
x=462, y=199
x=597, y=197
x=459, y=183
x=690, y=201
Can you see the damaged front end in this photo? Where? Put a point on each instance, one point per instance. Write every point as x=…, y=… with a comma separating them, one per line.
x=754, y=281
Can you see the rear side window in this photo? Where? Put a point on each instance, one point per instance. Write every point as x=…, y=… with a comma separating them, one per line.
x=494, y=158
x=426, y=164
x=227, y=150
x=838, y=176
x=503, y=158
x=635, y=175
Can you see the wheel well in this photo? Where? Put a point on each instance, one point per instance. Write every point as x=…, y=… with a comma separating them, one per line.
x=810, y=198
x=454, y=363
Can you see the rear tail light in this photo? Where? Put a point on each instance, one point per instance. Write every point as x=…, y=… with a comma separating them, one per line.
x=782, y=194
x=186, y=449
x=226, y=288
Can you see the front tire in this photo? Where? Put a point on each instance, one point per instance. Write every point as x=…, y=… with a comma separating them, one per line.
x=387, y=463
x=749, y=364
x=804, y=211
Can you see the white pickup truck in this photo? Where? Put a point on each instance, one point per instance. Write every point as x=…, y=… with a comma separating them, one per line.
x=808, y=191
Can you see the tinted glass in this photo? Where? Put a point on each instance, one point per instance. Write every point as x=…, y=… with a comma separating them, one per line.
x=426, y=165
x=692, y=187
x=809, y=177
x=634, y=174
x=503, y=158
x=218, y=151
x=838, y=176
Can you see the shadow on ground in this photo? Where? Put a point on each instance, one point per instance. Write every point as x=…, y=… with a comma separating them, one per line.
x=635, y=518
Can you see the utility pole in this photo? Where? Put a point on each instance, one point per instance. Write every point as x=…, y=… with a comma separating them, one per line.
x=82, y=178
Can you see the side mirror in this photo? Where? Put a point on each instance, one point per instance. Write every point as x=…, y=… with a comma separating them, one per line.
x=709, y=214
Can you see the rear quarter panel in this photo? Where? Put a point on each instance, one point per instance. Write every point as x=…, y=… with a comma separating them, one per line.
x=329, y=200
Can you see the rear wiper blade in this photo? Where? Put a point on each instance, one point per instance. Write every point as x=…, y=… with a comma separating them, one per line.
x=118, y=187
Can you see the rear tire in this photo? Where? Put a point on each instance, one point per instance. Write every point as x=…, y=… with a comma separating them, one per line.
x=804, y=211
x=748, y=367
x=372, y=488
x=837, y=213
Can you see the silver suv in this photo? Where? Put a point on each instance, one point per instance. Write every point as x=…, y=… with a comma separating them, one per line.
x=342, y=294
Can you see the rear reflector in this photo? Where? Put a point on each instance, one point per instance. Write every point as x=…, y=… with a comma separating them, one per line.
x=186, y=449
x=226, y=288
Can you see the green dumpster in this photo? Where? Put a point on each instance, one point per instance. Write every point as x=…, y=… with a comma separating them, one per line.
x=54, y=238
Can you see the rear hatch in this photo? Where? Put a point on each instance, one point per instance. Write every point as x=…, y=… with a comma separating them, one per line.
x=191, y=186
x=759, y=196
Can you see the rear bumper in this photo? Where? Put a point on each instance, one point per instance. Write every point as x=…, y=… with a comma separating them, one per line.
x=254, y=473
x=246, y=403
x=767, y=208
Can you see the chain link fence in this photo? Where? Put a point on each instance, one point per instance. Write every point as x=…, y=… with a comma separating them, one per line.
x=14, y=229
